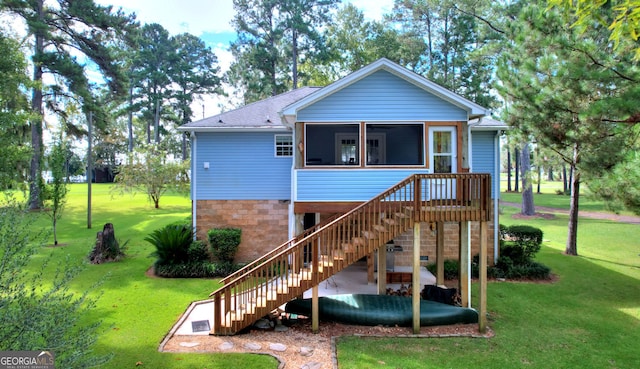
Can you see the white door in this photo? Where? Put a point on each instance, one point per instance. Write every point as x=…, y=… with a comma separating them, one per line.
x=443, y=159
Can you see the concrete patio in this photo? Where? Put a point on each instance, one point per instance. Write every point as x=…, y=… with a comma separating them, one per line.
x=351, y=280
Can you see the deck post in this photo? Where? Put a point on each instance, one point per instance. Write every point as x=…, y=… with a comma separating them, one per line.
x=464, y=264
x=382, y=270
x=315, y=318
x=415, y=280
x=439, y=253
x=482, y=313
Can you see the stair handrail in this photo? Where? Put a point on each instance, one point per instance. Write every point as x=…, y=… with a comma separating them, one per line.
x=294, y=249
x=286, y=245
x=301, y=241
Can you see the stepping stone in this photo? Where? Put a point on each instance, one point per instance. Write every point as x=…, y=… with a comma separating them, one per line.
x=277, y=347
x=252, y=346
x=263, y=324
x=226, y=345
x=189, y=344
x=306, y=351
x=312, y=365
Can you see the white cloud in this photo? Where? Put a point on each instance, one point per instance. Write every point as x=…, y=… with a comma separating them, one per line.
x=192, y=16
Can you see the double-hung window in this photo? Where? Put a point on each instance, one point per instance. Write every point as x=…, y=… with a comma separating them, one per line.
x=284, y=145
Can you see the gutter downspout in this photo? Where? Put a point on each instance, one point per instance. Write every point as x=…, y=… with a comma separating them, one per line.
x=194, y=187
x=496, y=198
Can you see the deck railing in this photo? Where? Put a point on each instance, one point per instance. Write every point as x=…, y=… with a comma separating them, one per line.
x=304, y=262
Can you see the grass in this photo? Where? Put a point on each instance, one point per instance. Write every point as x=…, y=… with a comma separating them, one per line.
x=548, y=197
x=589, y=318
x=136, y=310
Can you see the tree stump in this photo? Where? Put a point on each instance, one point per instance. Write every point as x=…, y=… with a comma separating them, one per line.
x=107, y=247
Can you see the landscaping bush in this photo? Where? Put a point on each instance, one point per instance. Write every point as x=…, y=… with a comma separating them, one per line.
x=178, y=255
x=450, y=269
x=224, y=268
x=521, y=242
x=186, y=270
x=172, y=243
x=198, y=251
x=224, y=243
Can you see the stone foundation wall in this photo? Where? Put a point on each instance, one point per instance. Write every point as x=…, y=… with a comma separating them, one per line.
x=264, y=223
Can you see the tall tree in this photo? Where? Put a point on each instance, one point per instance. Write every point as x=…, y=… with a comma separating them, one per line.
x=154, y=56
x=572, y=93
x=60, y=33
x=14, y=114
x=273, y=35
x=453, y=38
x=195, y=72
x=620, y=17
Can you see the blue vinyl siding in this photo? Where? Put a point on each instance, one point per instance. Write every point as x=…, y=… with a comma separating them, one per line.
x=242, y=166
x=484, y=154
x=382, y=96
x=347, y=185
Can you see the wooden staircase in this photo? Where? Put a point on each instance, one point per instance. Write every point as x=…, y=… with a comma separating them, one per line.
x=324, y=250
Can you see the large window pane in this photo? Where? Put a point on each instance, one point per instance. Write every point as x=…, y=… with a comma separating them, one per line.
x=332, y=144
x=395, y=144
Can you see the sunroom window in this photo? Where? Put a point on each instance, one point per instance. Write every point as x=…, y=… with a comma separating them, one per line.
x=395, y=144
x=332, y=144
x=399, y=144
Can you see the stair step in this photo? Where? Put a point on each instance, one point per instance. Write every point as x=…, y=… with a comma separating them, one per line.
x=380, y=228
x=401, y=215
x=389, y=221
x=306, y=274
x=370, y=235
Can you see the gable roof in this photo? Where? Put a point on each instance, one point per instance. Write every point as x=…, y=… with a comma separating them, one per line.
x=260, y=115
x=474, y=110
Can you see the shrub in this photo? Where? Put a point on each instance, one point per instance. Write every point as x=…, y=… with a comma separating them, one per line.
x=172, y=243
x=224, y=268
x=224, y=243
x=186, y=270
x=450, y=269
x=198, y=251
x=523, y=237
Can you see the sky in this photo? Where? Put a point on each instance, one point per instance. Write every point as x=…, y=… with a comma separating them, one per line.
x=211, y=21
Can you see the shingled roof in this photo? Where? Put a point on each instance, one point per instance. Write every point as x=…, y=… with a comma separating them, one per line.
x=260, y=115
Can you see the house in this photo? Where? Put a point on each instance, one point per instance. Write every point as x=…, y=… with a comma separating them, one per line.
x=381, y=157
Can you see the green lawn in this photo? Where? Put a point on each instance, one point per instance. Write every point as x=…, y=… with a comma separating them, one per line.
x=589, y=318
x=136, y=311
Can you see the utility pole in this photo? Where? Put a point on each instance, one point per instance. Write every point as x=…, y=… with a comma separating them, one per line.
x=89, y=170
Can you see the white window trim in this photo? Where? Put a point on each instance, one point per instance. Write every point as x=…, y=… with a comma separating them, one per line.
x=275, y=145
x=454, y=148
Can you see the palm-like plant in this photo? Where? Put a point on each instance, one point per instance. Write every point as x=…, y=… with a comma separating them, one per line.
x=172, y=244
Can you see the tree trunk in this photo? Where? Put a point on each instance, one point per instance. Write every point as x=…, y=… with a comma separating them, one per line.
x=565, y=186
x=572, y=234
x=156, y=123
x=550, y=174
x=294, y=68
x=528, y=207
x=517, y=179
x=35, y=172
x=130, y=121
x=509, y=189
x=107, y=247
x=539, y=174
